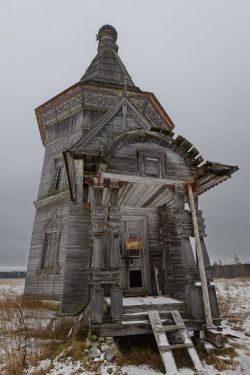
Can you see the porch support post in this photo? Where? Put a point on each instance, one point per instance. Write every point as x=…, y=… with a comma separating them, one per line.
x=99, y=230
x=188, y=259
x=114, y=256
x=204, y=287
x=97, y=302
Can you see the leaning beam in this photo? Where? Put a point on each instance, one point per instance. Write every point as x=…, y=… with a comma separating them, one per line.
x=204, y=288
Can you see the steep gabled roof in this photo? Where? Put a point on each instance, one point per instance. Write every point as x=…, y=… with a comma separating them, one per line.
x=92, y=133
x=107, y=66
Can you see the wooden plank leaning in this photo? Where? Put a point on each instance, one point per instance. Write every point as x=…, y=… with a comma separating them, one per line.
x=162, y=342
x=187, y=340
x=204, y=288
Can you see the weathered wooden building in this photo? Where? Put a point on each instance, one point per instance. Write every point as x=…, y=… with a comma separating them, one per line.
x=118, y=203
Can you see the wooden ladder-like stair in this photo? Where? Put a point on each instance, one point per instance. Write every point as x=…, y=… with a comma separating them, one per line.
x=165, y=348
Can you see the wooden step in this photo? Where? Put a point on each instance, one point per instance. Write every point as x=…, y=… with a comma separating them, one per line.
x=165, y=348
x=174, y=346
x=162, y=343
x=165, y=315
x=186, y=340
x=181, y=306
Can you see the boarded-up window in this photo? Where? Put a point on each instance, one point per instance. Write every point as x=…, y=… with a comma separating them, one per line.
x=151, y=164
x=50, y=247
x=58, y=175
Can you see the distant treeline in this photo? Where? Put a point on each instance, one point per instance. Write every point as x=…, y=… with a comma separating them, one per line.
x=230, y=271
x=227, y=271
x=12, y=274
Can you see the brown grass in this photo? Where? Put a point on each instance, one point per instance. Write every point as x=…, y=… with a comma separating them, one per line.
x=138, y=357
x=215, y=358
x=29, y=329
x=73, y=349
x=34, y=304
x=139, y=350
x=182, y=358
x=225, y=302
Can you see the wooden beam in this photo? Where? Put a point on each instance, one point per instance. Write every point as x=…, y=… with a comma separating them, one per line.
x=187, y=340
x=144, y=179
x=214, y=336
x=78, y=166
x=204, y=288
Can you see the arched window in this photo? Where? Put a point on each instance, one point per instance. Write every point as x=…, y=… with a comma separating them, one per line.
x=50, y=245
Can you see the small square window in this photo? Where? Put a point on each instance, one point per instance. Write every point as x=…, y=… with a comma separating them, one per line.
x=151, y=164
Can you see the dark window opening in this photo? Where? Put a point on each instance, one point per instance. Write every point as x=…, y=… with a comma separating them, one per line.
x=58, y=177
x=50, y=244
x=135, y=279
x=134, y=253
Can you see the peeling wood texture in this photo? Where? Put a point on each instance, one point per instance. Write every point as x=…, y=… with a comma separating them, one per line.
x=115, y=176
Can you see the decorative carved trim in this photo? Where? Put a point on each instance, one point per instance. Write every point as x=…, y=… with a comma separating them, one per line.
x=51, y=235
x=51, y=199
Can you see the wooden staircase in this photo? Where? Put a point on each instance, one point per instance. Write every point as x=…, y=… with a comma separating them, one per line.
x=135, y=320
x=165, y=348
x=166, y=318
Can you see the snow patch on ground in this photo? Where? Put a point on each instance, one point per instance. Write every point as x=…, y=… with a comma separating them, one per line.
x=234, y=296
x=141, y=370
x=11, y=286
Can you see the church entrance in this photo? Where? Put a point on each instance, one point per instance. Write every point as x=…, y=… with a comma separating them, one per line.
x=134, y=256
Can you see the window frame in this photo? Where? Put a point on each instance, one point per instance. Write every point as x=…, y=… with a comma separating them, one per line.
x=142, y=156
x=57, y=180
x=48, y=263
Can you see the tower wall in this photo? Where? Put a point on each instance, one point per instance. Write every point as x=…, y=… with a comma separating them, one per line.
x=41, y=284
x=50, y=202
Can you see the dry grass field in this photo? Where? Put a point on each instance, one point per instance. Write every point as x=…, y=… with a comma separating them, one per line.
x=33, y=340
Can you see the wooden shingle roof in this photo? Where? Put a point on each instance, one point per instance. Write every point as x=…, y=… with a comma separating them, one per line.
x=107, y=66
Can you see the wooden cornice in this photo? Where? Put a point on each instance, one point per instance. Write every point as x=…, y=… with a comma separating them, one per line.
x=76, y=90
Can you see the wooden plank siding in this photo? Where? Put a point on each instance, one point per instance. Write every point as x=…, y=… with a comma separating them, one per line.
x=42, y=284
x=61, y=136
x=125, y=161
x=77, y=262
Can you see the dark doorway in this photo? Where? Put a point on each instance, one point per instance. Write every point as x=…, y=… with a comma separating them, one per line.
x=135, y=279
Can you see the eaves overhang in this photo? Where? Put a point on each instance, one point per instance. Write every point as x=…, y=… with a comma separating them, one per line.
x=71, y=99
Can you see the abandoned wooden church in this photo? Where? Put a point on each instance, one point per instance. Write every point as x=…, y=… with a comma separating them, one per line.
x=117, y=205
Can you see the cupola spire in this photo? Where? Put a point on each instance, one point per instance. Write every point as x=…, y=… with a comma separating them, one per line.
x=107, y=67
x=107, y=36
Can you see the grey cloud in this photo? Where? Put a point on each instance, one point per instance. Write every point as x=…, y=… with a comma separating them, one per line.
x=193, y=55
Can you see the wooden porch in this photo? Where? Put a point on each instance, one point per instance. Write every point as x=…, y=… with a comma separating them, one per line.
x=135, y=318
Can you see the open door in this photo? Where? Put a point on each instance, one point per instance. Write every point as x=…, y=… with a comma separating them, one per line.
x=135, y=275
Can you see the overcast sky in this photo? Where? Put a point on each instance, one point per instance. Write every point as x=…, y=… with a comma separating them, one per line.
x=194, y=55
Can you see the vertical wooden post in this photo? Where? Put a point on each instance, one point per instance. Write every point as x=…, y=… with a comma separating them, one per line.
x=78, y=164
x=116, y=303
x=204, y=288
x=99, y=230
x=97, y=303
x=114, y=251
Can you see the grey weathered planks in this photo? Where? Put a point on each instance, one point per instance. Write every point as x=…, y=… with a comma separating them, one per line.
x=76, y=278
x=162, y=343
x=108, y=136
